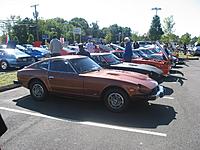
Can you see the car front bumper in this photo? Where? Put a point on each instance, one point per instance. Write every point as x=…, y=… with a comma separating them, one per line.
x=157, y=92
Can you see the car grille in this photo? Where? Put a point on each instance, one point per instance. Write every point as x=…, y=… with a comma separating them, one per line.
x=24, y=59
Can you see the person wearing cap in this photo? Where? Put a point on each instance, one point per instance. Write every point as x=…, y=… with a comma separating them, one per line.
x=128, y=50
x=82, y=51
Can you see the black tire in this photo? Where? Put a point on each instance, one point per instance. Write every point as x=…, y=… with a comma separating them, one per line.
x=38, y=90
x=4, y=65
x=116, y=100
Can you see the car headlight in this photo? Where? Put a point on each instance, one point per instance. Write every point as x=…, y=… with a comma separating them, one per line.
x=143, y=89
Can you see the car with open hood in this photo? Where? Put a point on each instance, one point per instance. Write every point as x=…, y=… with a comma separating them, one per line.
x=110, y=61
x=79, y=76
x=137, y=57
x=37, y=53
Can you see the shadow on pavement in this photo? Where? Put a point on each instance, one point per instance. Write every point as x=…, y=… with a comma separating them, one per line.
x=138, y=115
x=168, y=91
x=9, y=70
x=176, y=72
x=172, y=78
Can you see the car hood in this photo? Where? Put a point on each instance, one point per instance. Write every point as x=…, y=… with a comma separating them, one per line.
x=16, y=53
x=124, y=76
x=139, y=66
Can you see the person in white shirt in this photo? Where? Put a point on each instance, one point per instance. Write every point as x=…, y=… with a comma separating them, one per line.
x=55, y=46
x=90, y=47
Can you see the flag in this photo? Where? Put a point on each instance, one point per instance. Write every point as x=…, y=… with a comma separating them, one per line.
x=7, y=38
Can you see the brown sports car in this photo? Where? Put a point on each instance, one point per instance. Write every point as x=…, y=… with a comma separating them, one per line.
x=79, y=76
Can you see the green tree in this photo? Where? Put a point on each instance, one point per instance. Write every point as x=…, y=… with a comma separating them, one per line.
x=194, y=40
x=30, y=39
x=108, y=37
x=155, y=31
x=168, y=25
x=185, y=38
x=94, y=30
x=3, y=39
x=167, y=38
x=135, y=36
x=198, y=40
x=15, y=38
x=22, y=29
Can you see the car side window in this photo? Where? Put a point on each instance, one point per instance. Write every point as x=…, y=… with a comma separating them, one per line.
x=96, y=59
x=61, y=66
x=44, y=65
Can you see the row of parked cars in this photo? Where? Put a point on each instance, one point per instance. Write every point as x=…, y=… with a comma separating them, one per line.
x=104, y=77
x=21, y=56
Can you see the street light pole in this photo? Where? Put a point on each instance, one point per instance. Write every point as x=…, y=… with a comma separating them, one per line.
x=35, y=15
x=156, y=9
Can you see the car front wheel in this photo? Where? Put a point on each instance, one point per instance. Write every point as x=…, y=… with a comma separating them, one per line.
x=38, y=90
x=4, y=65
x=116, y=100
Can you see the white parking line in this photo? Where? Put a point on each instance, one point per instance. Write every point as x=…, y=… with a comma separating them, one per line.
x=168, y=97
x=86, y=122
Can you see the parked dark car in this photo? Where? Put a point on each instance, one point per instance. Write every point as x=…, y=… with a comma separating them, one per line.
x=110, y=61
x=79, y=76
x=37, y=53
x=14, y=58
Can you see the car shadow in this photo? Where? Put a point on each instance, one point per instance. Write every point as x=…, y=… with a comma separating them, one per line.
x=173, y=78
x=138, y=115
x=168, y=91
x=9, y=70
x=172, y=71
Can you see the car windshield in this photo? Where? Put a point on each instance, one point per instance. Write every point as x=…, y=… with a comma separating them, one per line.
x=156, y=57
x=111, y=59
x=84, y=65
x=104, y=47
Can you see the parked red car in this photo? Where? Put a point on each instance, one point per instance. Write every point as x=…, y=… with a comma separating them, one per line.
x=164, y=65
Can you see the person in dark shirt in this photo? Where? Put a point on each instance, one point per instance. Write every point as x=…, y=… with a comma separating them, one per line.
x=128, y=50
x=136, y=45
x=82, y=51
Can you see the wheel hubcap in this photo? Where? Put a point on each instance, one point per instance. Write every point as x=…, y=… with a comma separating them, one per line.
x=37, y=90
x=115, y=100
x=4, y=65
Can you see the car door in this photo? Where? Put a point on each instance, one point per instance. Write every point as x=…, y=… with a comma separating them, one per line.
x=64, y=79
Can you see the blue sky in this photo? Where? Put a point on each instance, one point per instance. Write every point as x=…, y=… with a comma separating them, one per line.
x=136, y=14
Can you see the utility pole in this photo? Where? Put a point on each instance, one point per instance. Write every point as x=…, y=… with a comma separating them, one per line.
x=35, y=15
x=156, y=9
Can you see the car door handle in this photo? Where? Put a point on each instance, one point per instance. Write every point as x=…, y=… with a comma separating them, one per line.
x=51, y=77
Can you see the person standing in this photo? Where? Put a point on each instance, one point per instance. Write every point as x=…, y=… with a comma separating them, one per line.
x=90, y=46
x=136, y=45
x=82, y=51
x=128, y=50
x=55, y=46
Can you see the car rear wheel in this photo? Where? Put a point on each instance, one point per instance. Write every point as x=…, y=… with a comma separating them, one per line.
x=38, y=90
x=4, y=65
x=116, y=100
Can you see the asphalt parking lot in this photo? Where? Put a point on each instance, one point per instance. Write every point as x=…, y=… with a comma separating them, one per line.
x=171, y=122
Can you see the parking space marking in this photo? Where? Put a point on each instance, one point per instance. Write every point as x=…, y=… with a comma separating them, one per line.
x=168, y=97
x=86, y=122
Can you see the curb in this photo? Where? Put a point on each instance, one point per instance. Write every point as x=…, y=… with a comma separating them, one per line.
x=9, y=87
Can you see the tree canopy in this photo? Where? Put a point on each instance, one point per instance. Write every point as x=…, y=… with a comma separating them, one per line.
x=155, y=31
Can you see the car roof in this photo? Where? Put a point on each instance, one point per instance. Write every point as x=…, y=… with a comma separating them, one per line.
x=67, y=57
x=99, y=54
